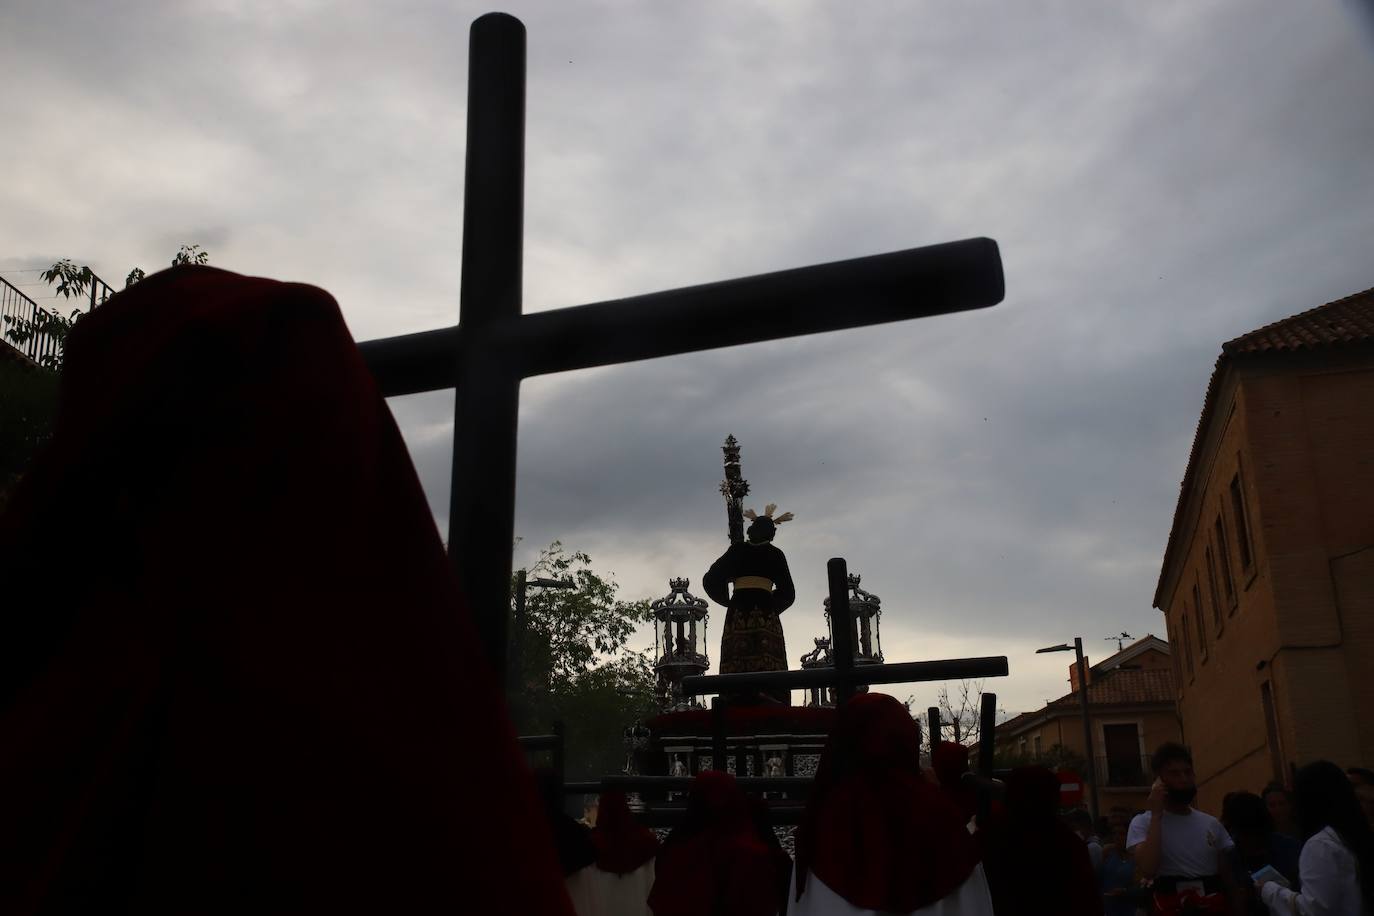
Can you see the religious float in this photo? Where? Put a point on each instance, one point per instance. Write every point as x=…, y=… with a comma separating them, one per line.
x=764, y=735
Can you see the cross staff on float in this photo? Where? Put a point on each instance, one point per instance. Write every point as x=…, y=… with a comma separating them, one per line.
x=752, y=639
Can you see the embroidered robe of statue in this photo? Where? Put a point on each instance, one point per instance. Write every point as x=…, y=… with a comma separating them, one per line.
x=762, y=590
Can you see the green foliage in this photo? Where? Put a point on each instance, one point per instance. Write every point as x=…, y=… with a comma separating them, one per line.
x=187, y=254
x=21, y=330
x=576, y=665
x=70, y=279
x=28, y=407
x=75, y=281
x=1057, y=757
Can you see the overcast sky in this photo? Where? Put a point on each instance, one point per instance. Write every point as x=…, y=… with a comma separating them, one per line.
x=1160, y=176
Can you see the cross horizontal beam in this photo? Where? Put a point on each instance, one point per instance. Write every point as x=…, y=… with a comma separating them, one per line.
x=685, y=783
x=897, y=286
x=899, y=673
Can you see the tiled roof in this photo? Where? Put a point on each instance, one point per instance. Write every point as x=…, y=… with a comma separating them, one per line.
x=1342, y=322
x=1150, y=685
x=1146, y=643
x=1114, y=688
x=1348, y=320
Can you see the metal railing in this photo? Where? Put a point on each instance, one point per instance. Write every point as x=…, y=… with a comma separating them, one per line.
x=16, y=308
x=1123, y=771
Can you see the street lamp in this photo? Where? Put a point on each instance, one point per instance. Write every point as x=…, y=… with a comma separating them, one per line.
x=522, y=584
x=1091, y=774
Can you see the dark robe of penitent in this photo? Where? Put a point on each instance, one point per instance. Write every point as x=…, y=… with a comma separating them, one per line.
x=718, y=862
x=236, y=673
x=878, y=838
x=762, y=589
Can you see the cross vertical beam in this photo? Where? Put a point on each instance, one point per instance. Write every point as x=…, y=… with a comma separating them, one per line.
x=841, y=629
x=494, y=346
x=481, y=522
x=987, y=727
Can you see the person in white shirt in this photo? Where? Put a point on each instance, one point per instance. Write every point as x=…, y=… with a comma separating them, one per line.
x=1180, y=848
x=1337, y=861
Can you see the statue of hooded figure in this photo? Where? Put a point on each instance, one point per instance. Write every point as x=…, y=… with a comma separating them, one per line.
x=752, y=638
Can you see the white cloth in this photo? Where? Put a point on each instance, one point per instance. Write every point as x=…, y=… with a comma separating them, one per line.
x=1330, y=882
x=969, y=899
x=1189, y=845
x=622, y=895
x=581, y=886
x=1094, y=852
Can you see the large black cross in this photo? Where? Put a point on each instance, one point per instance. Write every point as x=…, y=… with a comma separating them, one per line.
x=494, y=347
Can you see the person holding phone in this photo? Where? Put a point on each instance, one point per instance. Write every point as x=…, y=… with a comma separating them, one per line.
x=1183, y=851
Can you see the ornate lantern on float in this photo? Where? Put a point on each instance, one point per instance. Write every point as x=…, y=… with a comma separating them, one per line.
x=820, y=657
x=865, y=610
x=676, y=651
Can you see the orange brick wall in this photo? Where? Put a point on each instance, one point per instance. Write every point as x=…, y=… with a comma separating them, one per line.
x=1156, y=726
x=1302, y=438
x=1317, y=423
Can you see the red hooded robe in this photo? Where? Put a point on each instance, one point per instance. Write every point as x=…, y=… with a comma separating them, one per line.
x=715, y=863
x=877, y=832
x=1037, y=865
x=236, y=675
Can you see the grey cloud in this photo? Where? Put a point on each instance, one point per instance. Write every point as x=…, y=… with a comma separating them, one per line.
x=1160, y=179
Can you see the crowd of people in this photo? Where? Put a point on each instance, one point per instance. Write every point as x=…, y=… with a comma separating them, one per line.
x=882, y=836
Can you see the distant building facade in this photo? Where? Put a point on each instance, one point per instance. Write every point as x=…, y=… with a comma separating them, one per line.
x=1267, y=583
x=1132, y=710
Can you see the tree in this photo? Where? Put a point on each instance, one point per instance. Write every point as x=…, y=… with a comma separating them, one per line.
x=575, y=663
x=72, y=281
x=1057, y=757
x=960, y=715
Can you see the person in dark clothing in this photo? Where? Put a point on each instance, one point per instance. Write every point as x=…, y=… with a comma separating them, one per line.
x=1121, y=894
x=715, y=863
x=1246, y=818
x=950, y=762
x=782, y=862
x=571, y=840
x=1037, y=865
x=1337, y=860
x=753, y=638
x=878, y=836
x=247, y=686
x=1280, y=806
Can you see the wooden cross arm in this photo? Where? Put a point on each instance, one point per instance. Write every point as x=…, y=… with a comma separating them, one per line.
x=684, y=783
x=898, y=673
x=916, y=283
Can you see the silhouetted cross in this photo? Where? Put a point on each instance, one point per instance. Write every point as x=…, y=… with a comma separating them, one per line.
x=494, y=347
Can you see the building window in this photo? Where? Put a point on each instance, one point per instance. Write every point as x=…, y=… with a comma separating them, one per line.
x=1037, y=747
x=1201, y=627
x=1227, y=582
x=1271, y=728
x=1176, y=651
x=1187, y=642
x=1212, y=590
x=1124, y=765
x=1242, y=521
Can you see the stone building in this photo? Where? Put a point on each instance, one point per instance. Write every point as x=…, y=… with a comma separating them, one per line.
x=1267, y=583
x=1132, y=710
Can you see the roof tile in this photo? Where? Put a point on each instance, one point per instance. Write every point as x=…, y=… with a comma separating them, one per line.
x=1344, y=321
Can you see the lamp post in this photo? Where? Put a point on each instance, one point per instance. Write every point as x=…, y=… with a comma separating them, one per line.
x=1091, y=774
x=522, y=584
